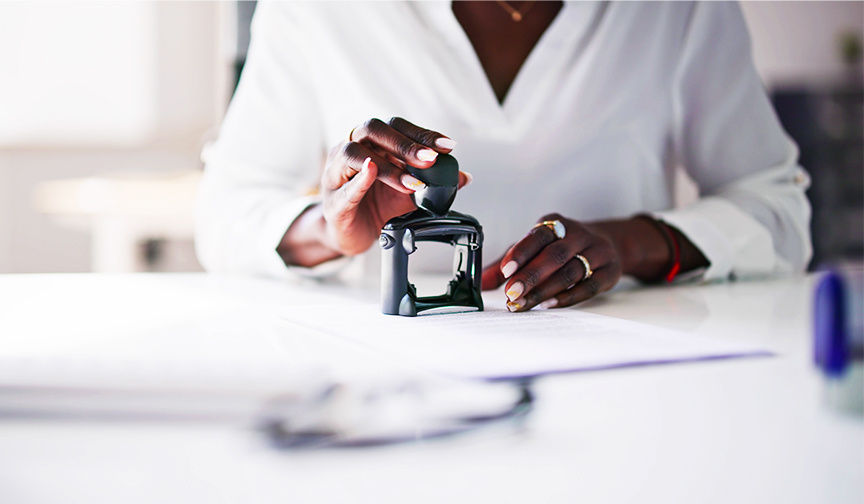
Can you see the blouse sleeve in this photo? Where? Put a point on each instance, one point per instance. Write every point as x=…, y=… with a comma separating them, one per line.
x=752, y=217
x=261, y=170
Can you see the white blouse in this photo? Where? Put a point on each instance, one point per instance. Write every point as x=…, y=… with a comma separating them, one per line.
x=611, y=100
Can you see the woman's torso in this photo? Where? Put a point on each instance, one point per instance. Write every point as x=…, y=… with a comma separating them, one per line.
x=585, y=129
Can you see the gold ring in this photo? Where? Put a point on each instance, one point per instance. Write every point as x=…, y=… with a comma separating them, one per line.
x=555, y=226
x=588, y=271
x=350, y=133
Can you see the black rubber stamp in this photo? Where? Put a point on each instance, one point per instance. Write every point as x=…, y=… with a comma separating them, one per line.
x=432, y=221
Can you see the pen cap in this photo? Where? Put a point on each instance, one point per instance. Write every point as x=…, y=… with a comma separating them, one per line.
x=829, y=320
x=442, y=180
x=838, y=342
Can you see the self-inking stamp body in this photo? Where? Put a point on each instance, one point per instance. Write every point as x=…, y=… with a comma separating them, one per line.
x=432, y=221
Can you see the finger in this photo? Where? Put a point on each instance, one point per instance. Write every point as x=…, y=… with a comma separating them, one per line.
x=347, y=197
x=395, y=161
x=424, y=136
x=350, y=161
x=352, y=192
x=566, y=277
x=556, y=260
x=601, y=281
x=541, y=268
x=539, y=238
x=376, y=132
x=492, y=278
x=524, y=250
x=347, y=161
x=407, y=180
x=465, y=178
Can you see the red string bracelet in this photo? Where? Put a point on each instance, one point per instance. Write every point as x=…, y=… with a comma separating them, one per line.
x=676, y=265
x=671, y=240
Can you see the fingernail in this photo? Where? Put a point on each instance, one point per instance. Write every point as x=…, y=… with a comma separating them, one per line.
x=427, y=155
x=549, y=303
x=468, y=178
x=366, y=163
x=412, y=183
x=445, y=143
x=515, y=291
x=514, y=306
x=509, y=269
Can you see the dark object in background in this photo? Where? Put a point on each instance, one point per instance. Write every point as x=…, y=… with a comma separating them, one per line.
x=828, y=125
x=838, y=338
x=245, y=9
x=433, y=221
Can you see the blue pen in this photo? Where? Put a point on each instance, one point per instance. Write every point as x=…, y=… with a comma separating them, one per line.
x=838, y=343
x=830, y=338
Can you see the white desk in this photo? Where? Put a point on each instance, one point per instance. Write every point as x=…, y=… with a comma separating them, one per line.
x=742, y=431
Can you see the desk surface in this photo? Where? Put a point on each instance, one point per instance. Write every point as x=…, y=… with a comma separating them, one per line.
x=751, y=430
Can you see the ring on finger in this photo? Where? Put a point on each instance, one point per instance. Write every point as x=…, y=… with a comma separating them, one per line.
x=555, y=226
x=351, y=133
x=588, y=270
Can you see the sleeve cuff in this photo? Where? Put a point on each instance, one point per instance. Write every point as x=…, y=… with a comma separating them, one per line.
x=277, y=224
x=735, y=244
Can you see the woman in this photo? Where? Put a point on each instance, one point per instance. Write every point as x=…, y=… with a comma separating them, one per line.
x=571, y=117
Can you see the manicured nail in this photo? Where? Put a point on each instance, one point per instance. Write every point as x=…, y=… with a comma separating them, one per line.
x=549, y=303
x=509, y=269
x=468, y=178
x=445, y=143
x=515, y=291
x=412, y=183
x=514, y=306
x=366, y=163
x=427, y=155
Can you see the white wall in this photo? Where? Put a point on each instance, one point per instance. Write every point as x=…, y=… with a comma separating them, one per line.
x=89, y=88
x=192, y=72
x=5, y=217
x=79, y=73
x=797, y=42
x=103, y=74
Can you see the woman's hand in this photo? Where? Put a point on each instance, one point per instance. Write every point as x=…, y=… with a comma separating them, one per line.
x=551, y=271
x=364, y=185
x=581, y=260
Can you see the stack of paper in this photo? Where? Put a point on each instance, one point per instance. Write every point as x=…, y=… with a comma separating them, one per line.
x=496, y=344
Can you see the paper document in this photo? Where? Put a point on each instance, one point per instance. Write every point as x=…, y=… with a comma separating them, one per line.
x=496, y=344
x=192, y=348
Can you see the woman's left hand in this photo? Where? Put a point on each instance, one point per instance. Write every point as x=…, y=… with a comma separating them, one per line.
x=558, y=264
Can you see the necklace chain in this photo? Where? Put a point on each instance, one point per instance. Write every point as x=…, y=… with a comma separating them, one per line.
x=515, y=14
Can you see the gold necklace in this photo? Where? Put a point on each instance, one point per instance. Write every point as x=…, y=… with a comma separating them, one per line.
x=515, y=15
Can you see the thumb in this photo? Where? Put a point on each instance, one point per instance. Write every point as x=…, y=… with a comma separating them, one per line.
x=355, y=189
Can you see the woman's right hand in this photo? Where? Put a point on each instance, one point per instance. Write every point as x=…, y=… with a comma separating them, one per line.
x=364, y=185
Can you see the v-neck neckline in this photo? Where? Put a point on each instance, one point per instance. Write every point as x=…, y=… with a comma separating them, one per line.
x=535, y=76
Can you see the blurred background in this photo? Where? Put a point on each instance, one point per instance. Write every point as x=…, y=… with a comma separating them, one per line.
x=106, y=106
